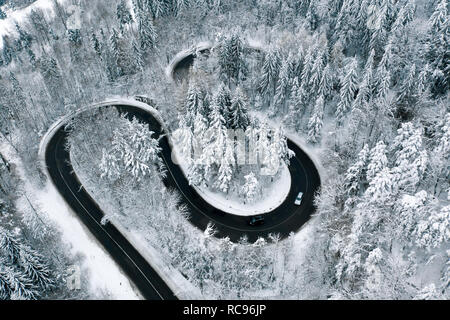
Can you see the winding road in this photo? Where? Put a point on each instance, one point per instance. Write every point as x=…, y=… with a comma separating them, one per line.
x=283, y=220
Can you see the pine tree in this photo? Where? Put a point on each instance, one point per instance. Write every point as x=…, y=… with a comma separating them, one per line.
x=22, y=287
x=432, y=231
x=355, y=173
x=5, y=289
x=52, y=75
x=36, y=269
x=24, y=39
x=8, y=51
x=280, y=150
x=347, y=93
x=316, y=71
x=316, y=121
x=96, y=45
x=116, y=55
x=193, y=103
x=307, y=67
x=231, y=61
x=138, y=57
x=377, y=160
x=270, y=70
x=250, y=188
x=410, y=157
x=39, y=23
x=366, y=86
x=283, y=89
x=9, y=246
x=123, y=15
x=239, y=116
x=227, y=163
x=222, y=101
x=134, y=150
x=438, y=52
x=147, y=33
x=311, y=16
x=381, y=186
x=326, y=83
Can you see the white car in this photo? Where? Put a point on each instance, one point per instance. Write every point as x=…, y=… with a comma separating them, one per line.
x=298, y=200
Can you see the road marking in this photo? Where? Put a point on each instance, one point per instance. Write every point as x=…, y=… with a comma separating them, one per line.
x=99, y=224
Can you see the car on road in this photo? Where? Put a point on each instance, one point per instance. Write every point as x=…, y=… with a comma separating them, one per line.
x=298, y=200
x=256, y=220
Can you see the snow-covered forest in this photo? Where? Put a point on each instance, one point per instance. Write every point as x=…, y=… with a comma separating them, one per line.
x=363, y=83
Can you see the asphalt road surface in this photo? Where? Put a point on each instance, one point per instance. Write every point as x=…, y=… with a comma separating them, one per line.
x=283, y=220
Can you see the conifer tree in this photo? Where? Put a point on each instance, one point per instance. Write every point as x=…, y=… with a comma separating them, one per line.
x=377, y=160
x=270, y=71
x=147, y=33
x=123, y=15
x=355, y=174
x=347, y=93
x=239, y=116
x=316, y=121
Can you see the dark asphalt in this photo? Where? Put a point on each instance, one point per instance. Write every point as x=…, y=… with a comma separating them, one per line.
x=283, y=220
x=145, y=278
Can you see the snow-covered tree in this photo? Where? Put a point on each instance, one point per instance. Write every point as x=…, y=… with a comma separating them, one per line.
x=410, y=157
x=316, y=121
x=355, y=174
x=283, y=89
x=269, y=73
x=147, y=32
x=231, y=62
x=227, y=162
x=381, y=186
x=193, y=103
x=36, y=269
x=438, y=53
x=134, y=150
x=123, y=15
x=250, y=188
x=377, y=160
x=239, y=116
x=348, y=90
x=433, y=230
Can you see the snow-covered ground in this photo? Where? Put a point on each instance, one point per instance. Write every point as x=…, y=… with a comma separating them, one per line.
x=272, y=198
x=7, y=25
x=106, y=280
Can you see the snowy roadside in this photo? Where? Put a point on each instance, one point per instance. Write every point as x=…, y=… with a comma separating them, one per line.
x=183, y=54
x=7, y=25
x=106, y=280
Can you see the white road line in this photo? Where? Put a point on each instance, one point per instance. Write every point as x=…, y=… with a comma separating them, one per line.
x=65, y=182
